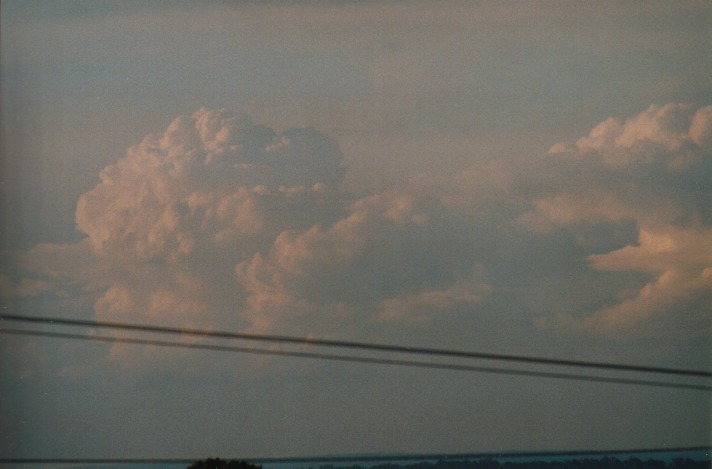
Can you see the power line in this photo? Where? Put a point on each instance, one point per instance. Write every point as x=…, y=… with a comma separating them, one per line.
x=356, y=345
x=356, y=359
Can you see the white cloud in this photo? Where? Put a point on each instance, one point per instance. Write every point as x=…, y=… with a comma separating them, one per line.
x=680, y=262
x=169, y=222
x=670, y=135
x=220, y=222
x=205, y=173
x=654, y=169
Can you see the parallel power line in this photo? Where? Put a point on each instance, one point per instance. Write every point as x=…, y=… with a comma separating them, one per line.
x=356, y=345
x=357, y=359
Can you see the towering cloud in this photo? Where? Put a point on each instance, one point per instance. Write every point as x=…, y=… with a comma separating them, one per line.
x=169, y=222
x=221, y=222
x=213, y=174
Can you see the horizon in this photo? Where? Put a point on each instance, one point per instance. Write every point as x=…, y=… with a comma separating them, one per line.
x=346, y=458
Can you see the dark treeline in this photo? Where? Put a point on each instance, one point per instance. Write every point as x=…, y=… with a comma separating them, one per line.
x=587, y=463
x=218, y=463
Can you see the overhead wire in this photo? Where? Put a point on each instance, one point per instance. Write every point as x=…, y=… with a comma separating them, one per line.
x=356, y=345
x=360, y=359
x=357, y=359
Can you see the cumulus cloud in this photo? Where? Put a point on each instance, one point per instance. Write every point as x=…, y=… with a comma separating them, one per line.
x=208, y=173
x=680, y=261
x=386, y=246
x=674, y=136
x=181, y=209
x=654, y=169
x=221, y=222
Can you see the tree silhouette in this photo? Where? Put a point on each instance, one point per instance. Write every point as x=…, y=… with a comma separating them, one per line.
x=217, y=463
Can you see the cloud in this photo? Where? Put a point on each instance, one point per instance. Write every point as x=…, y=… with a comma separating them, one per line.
x=655, y=170
x=680, y=262
x=23, y=287
x=649, y=168
x=654, y=167
x=168, y=222
x=673, y=136
x=388, y=246
x=219, y=222
x=184, y=206
x=423, y=305
x=205, y=173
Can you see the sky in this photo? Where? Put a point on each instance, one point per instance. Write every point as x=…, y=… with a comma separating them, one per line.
x=526, y=178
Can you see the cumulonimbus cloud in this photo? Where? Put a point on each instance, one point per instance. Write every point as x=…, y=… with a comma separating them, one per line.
x=210, y=172
x=182, y=208
x=221, y=222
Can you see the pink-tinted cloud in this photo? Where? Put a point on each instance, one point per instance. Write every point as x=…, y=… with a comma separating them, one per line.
x=674, y=136
x=654, y=169
x=168, y=222
x=680, y=262
x=221, y=222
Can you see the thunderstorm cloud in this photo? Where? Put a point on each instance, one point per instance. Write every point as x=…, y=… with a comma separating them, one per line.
x=221, y=222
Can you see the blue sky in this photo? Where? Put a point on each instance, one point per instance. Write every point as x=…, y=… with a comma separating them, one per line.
x=513, y=177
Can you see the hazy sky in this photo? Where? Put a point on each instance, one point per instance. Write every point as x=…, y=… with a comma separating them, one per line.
x=509, y=177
